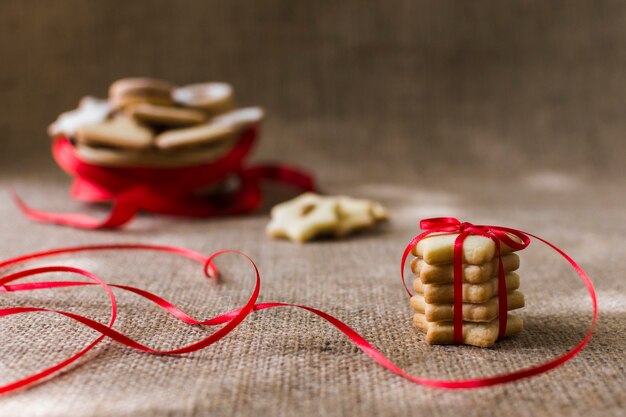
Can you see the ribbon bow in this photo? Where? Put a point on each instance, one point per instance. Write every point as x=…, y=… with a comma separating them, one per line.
x=498, y=234
x=173, y=191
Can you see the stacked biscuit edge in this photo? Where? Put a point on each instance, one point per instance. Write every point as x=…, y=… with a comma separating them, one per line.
x=433, y=302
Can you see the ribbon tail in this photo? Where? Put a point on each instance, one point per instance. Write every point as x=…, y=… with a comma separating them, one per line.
x=125, y=207
x=285, y=174
x=90, y=192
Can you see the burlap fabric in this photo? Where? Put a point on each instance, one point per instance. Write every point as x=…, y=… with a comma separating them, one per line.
x=507, y=113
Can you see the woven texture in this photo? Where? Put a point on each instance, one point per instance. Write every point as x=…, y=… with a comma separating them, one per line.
x=503, y=113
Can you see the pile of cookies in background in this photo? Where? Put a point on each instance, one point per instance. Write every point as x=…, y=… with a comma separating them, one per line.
x=433, y=267
x=148, y=122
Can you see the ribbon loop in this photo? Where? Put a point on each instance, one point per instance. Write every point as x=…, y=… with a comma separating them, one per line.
x=439, y=223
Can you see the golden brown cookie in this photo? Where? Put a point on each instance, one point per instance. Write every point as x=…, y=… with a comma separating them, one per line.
x=476, y=334
x=129, y=91
x=472, y=293
x=213, y=98
x=120, y=132
x=165, y=115
x=471, y=312
x=108, y=157
x=204, y=134
x=438, y=249
x=474, y=274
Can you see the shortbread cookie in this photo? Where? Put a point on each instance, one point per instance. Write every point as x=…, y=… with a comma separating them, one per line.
x=304, y=218
x=152, y=159
x=166, y=115
x=476, y=334
x=357, y=214
x=354, y=214
x=472, y=293
x=90, y=111
x=471, y=312
x=299, y=219
x=241, y=118
x=204, y=134
x=378, y=211
x=121, y=132
x=213, y=98
x=129, y=91
x=474, y=274
x=438, y=249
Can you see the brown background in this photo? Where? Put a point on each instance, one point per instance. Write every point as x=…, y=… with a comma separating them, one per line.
x=503, y=112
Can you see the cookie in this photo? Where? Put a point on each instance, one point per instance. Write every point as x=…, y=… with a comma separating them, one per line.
x=213, y=98
x=128, y=91
x=471, y=312
x=472, y=293
x=121, y=132
x=165, y=115
x=90, y=111
x=108, y=157
x=241, y=118
x=300, y=221
x=438, y=249
x=476, y=334
x=474, y=274
x=354, y=214
x=303, y=218
x=204, y=134
x=379, y=212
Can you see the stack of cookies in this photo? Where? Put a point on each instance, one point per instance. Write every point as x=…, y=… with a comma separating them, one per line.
x=152, y=123
x=433, y=303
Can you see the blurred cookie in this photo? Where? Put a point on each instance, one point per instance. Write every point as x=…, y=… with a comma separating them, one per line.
x=213, y=98
x=354, y=215
x=165, y=115
x=127, y=158
x=303, y=218
x=90, y=111
x=241, y=118
x=121, y=132
x=311, y=215
x=204, y=134
x=129, y=91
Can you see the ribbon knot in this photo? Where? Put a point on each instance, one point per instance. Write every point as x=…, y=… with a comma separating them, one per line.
x=468, y=226
x=515, y=239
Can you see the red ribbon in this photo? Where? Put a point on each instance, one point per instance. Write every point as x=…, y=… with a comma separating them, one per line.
x=170, y=191
x=230, y=320
x=497, y=234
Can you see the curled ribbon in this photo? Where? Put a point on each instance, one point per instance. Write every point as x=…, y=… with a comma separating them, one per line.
x=497, y=234
x=230, y=320
x=170, y=191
